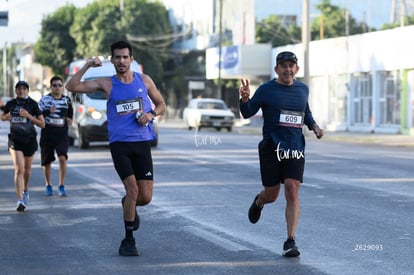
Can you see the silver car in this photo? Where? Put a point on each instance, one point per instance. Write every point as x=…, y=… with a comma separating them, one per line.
x=208, y=112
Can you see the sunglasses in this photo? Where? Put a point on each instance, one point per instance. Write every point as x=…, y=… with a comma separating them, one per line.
x=57, y=85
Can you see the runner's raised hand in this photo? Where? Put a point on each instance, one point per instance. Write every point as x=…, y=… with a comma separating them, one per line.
x=244, y=90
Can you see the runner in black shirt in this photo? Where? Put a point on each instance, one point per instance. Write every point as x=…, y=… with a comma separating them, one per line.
x=23, y=113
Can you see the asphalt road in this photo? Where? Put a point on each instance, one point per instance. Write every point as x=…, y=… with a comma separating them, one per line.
x=356, y=217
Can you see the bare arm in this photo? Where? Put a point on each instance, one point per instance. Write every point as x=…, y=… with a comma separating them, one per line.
x=154, y=94
x=5, y=116
x=75, y=85
x=38, y=121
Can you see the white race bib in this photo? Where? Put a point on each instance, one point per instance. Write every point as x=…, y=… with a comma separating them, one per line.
x=128, y=106
x=18, y=119
x=291, y=119
x=57, y=121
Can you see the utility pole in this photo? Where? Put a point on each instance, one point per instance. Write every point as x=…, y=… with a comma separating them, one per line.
x=5, y=70
x=4, y=20
x=220, y=45
x=121, y=7
x=305, y=39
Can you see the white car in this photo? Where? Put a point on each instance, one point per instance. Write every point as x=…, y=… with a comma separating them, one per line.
x=208, y=112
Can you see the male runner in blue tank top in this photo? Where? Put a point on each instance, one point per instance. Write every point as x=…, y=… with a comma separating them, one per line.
x=127, y=93
x=285, y=108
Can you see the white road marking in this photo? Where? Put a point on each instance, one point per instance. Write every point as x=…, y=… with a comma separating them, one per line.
x=53, y=219
x=211, y=237
x=5, y=220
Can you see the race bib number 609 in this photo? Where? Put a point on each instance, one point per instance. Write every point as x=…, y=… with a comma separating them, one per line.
x=291, y=119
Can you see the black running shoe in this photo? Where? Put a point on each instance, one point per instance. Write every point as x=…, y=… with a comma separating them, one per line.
x=290, y=249
x=136, y=220
x=128, y=248
x=255, y=211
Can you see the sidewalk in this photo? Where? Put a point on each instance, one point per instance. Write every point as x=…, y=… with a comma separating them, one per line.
x=367, y=138
x=351, y=137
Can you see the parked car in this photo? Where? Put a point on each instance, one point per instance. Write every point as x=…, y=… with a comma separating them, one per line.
x=89, y=109
x=208, y=112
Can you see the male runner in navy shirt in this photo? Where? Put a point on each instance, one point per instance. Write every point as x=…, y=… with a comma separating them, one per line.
x=285, y=108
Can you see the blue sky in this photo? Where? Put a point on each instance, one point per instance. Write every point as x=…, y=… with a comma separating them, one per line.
x=25, y=15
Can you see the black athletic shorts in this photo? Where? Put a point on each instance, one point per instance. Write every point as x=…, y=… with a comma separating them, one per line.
x=49, y=146
x=28, y=145
x=274, y=170
x=132, y=158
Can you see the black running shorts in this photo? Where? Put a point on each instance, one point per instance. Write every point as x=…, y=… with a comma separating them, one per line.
x=274, y=170
x=49, y=146
x=132, y=158
x=27, y=145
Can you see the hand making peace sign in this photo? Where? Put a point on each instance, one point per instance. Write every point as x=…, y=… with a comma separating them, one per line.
x=244, y=90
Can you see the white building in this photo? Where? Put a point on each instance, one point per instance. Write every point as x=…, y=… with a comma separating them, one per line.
x=358, y=83
x=362, y=83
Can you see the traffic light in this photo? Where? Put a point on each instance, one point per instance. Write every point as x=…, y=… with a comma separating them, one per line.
x=4, y=18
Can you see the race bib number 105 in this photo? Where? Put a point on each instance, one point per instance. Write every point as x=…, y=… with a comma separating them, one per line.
x=128, y=106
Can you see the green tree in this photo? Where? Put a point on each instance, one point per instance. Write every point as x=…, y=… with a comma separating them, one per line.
x=55, y=46
x=71, y=33
x=333, y=22
x=179, y=69
x=272, y=30
x=407, y=20
x=99, y=24
x=96, y=27
x=147, y=27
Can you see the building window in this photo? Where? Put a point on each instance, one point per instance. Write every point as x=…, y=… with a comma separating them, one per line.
x=389, y=99
x=338, y=98
x=362, y=98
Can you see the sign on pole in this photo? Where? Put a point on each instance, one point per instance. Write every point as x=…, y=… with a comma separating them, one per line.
x=4, y=18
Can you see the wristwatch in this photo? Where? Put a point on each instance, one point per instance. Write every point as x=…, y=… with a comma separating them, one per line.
x=153, y=113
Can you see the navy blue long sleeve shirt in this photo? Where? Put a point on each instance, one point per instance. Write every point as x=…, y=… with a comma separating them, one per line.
x=285, y=110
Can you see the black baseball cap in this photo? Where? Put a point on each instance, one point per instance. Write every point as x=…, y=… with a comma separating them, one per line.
x=22, y=83
x=286, y=56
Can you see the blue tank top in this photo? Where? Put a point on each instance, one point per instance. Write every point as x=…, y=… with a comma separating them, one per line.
x=123, y=103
